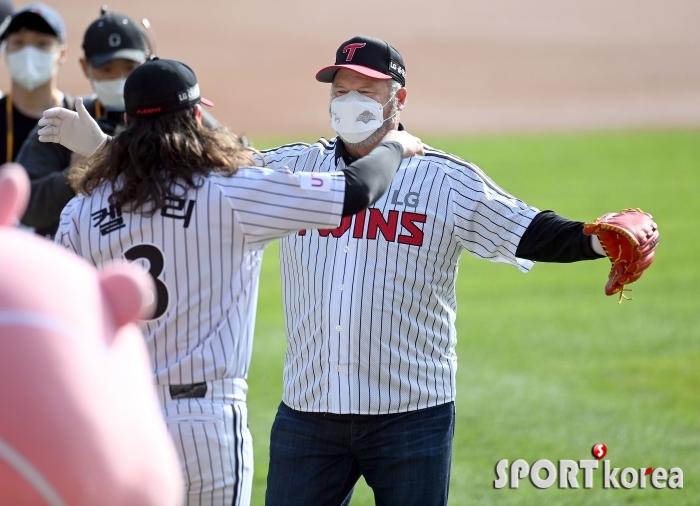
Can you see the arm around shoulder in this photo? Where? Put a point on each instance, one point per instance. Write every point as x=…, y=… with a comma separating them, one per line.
x=368, y=178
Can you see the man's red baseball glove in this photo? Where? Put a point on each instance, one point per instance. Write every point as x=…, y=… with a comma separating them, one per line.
x=629, y=238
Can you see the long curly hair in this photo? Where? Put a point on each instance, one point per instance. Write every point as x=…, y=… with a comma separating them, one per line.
x=159, y=158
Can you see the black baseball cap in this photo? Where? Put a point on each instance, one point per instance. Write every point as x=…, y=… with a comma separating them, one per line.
x=161, y=86
x=38, y=17
x=113, y=36
x=368, y=56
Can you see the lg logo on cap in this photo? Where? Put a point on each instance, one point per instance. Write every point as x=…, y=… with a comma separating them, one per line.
x=398, y=68
x=190, y=94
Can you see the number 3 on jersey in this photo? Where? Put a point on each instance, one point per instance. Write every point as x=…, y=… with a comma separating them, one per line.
x=156, y=263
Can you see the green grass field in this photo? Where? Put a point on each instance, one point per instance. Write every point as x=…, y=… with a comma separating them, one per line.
x=548, y=365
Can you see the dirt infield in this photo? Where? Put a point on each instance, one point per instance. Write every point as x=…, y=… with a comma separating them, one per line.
x=472, y=66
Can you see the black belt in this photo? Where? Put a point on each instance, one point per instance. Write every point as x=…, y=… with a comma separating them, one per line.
x=354, y=417
x=191, y=391
x=344, y=417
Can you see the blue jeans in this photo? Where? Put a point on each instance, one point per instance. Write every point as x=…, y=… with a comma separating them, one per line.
x=404, y=457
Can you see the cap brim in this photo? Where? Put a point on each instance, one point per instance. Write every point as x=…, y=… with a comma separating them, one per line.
x=206, y=102
x=136, y=55
x=326, y=74
x=18, y=19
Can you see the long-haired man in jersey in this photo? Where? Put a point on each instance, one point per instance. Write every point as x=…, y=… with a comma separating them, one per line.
x=188, y=203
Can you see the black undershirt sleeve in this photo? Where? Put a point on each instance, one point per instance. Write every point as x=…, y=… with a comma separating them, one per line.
x=553, y=238
x=368, y=178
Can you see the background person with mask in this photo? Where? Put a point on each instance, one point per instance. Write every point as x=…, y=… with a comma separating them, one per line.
x=34, y=42
x=113, y=47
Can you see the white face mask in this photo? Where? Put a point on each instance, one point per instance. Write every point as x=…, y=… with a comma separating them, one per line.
x=110, y=93
x=355, y=117
x=31, y=67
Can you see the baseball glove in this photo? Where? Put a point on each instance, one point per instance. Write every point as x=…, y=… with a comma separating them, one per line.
x=629, y=238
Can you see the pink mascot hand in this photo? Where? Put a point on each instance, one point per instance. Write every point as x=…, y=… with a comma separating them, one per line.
x=80, y=421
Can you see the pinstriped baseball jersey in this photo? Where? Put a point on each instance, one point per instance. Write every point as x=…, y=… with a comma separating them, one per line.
x=370, y=306
x=204, y=252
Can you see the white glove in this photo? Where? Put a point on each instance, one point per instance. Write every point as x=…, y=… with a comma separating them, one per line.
x=77, y=131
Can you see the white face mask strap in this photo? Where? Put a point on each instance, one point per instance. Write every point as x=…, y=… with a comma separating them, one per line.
x=393, y=95
x=388, y=101
x=395, y=113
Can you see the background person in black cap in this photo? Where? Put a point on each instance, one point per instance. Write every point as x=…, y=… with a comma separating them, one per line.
x=370, y=368
x=113, y=47
x=34, y=42
x=186, y=200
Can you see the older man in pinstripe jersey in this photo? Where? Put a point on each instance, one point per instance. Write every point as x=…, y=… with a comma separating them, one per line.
x=369, y=376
